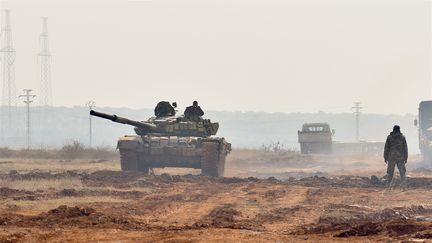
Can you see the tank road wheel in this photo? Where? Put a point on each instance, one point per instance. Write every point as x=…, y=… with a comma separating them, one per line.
x=212, y=163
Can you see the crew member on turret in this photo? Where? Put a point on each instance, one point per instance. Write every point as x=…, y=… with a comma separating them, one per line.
x=193, y=112
x=164, y=108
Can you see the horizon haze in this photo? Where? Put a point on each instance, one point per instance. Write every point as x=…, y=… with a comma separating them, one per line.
x=260, y=56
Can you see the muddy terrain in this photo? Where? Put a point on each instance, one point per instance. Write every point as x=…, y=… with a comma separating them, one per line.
x=266, y=197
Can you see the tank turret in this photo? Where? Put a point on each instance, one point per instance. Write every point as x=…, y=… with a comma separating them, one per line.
x=166, y=126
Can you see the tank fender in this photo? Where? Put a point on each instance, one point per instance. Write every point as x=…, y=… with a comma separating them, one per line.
x=224, y=146
x=130, y=143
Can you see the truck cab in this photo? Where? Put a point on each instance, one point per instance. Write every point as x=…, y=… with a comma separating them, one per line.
x=315, y=138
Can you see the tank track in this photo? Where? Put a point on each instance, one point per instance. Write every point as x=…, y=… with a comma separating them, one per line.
x=130, y=161
x=212, y=161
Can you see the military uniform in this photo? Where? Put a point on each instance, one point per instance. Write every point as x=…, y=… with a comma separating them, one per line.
x=396, y=154
x=193, y=112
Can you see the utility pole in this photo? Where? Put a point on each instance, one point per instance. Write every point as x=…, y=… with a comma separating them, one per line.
x=356, y=112
x=44, y=57
x=90, y=105
x=7, y=57
x=28, y=98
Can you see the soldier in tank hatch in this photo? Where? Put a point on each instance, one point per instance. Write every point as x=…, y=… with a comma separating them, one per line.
x=396, y=154
x=194, y=111
x=164, y=108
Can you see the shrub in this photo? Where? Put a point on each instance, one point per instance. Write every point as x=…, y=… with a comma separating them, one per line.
x=277, y=147
x=72, y=150
x=6, y=152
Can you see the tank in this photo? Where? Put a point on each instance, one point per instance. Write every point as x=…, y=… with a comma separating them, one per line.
x=171, y=141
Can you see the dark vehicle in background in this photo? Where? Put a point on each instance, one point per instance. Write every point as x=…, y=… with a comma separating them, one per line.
x=315, y=138
x=424, y=124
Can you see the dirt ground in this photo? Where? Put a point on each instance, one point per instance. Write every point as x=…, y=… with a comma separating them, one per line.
x=265, y=197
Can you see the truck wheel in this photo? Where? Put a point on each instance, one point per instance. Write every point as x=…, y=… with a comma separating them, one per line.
x=304, y=148
x=328, y=148
x=212, y=163
x=427, y=157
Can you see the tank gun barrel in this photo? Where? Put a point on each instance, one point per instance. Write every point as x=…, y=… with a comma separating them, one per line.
x=123, y=120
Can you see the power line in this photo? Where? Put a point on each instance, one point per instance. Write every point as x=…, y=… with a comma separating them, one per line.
x=44, y=57
x=356, y=112
x=28, y=100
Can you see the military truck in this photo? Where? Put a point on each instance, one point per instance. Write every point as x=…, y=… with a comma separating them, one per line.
x=424, y=124
x=171, y=141
x=315, y=138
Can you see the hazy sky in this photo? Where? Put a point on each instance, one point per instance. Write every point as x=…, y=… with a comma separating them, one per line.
x=240, y=56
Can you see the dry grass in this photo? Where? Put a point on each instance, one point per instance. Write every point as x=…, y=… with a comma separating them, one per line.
x=74, y=150
x=264, y=156
x=39, y=206
x=43, y=184
x=50, y=165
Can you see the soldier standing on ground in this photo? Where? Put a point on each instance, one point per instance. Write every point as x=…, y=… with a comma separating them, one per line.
x=396, y=154
x=193, y=112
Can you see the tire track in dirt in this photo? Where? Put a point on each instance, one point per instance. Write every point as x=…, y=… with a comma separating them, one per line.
x=162, y=205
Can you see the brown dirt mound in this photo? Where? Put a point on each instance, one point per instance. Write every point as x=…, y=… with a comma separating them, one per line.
x=349, y=221
x=278, y=214
x=125, y=179
x=275, y=194
x=119, y=179
x=344, y=182
x=392, y=228
x=15, y=237
x=419, y=182
x=38, y=175
x=6, y=192
x=226, y=216
x=64, y=211
x=122, y=179
x=424, y=235
x=70, y=192
x=357, y=182
x=166, y=178
x=64, y=216
x=223, y=217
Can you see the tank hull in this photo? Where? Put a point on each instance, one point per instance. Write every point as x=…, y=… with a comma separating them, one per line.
x=142, y=153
